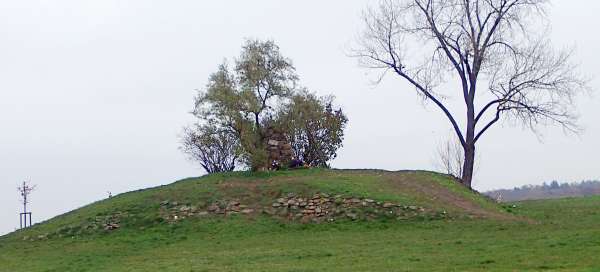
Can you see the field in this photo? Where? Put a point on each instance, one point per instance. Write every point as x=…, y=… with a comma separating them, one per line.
x=473, y=234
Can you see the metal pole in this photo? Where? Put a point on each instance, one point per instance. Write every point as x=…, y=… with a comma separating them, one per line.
x=21, y=220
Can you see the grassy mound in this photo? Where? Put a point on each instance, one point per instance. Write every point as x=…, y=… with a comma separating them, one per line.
x=399, y=221
x=314, y=195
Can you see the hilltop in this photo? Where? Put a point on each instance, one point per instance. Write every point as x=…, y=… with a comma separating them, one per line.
x=310, y=220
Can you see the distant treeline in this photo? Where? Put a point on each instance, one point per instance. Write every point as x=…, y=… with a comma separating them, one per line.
x=553, y=189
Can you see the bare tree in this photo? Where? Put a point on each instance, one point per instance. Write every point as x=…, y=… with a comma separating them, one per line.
x=489, y=48
x=216, y=150
x=25, y=190
x=450, y=158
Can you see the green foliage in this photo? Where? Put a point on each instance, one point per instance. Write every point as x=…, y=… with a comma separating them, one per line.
x=258, y=93
x=242, y=102
x=313, y=127
x=262, y=70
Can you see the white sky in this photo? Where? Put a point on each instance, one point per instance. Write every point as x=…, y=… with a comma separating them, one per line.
x=94, y=93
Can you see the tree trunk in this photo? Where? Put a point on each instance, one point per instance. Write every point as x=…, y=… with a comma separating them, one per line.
x=469, y=144
x=469, y=164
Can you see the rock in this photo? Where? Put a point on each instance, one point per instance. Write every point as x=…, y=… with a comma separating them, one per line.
x=352, y=216
x=283, y=212
x=318, y=210
x=203, y=213
x=412, y=208
x=273, y=143
x=276, y=205
x=112, y=226
x=388, y=205
x=164, y=203
x=369, y=200
x=269, y=211
x=247, y=211
x=281, y=200
x=213, y=208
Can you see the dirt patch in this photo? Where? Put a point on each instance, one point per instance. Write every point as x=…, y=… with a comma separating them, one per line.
x=438, y=194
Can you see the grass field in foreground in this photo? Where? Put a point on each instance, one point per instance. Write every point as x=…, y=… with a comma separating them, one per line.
x=559, y=235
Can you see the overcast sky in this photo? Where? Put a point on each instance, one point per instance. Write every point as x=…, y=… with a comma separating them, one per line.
x=93, y=95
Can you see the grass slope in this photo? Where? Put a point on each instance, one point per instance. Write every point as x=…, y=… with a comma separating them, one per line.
x=560, y=235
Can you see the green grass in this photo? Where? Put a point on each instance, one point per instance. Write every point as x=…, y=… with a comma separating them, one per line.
x=553, y=235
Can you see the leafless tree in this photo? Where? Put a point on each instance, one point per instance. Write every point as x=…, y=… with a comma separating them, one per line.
x=450, y=158
x=503, y=68
x=216, y=150
x=25, y=217
x=25, y=190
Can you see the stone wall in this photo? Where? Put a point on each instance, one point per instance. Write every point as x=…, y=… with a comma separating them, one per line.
x=278, y=148
x=313, y=208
